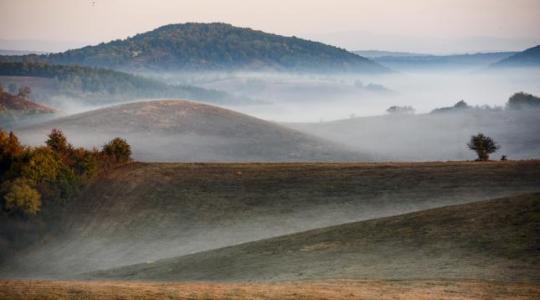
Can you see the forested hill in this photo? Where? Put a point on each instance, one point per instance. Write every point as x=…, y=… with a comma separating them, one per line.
x=216, y=46
x=98, y=85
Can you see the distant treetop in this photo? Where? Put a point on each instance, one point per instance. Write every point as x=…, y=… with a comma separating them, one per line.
x=522, y=100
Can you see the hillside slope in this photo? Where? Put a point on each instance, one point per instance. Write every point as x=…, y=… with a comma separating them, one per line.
x=215, y=46
x=20, y=104
x=491, y=240
x=144, y=212
x=96, y=86
x=429, y=137
x=14, y=108
x=527, y=58
x=176, y=130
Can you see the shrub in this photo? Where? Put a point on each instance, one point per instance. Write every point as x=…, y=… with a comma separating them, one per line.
x=483, y=146
x=118, y=150
x=20, y=196
x=85, y=163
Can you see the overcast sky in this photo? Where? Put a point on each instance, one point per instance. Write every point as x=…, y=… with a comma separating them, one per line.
x=436, y=26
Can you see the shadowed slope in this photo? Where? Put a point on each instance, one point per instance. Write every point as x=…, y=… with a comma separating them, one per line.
x=491, y=240
x=177, y=130
x=144, y=212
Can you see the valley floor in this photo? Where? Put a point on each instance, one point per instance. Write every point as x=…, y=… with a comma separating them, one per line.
x=418, y=289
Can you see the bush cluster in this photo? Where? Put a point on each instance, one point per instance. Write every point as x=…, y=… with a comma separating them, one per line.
x=30, y=176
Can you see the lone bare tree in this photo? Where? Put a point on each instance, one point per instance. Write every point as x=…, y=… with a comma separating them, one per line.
x=483, y=146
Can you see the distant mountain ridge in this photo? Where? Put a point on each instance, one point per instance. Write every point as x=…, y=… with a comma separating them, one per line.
x=412, y=61
x=381, y=53
x=215, y=46
x=528, y=58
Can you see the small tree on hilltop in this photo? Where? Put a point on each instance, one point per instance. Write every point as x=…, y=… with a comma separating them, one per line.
x=400, y=110
x=24, y=92
x=483, y=146
x=118, y=149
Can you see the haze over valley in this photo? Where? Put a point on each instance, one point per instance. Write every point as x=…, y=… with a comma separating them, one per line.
x=232, y=150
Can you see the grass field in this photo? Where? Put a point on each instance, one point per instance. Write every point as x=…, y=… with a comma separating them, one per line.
x=443, y=230
x=489, y=240
x=330, y=290
x=145, y=212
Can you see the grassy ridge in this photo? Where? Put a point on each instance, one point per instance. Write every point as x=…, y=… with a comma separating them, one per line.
x=145, y=212
x=488, y=240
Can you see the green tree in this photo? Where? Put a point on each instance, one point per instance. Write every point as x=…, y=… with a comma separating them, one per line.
x=57, y=142
x=483, y=146
x=118, y=150
x=22, y=197
x=85, y=163
x=42, y=166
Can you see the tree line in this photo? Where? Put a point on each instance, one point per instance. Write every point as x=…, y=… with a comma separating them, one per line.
x=94, y=83
x=32, y=176
x=518, y=101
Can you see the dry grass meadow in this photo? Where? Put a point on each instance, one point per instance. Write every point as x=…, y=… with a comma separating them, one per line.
x=417, y=290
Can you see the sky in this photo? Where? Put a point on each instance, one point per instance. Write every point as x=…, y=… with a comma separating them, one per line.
x=426, y=26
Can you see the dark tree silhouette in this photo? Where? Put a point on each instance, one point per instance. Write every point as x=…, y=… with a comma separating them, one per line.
x=522, y=100
x=400, y=110
x=24, y=92
x=483, y=146
x=118, y=149
x=57, y=141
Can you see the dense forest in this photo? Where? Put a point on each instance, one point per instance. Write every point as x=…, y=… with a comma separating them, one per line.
x=215, y=46
x=98, y=85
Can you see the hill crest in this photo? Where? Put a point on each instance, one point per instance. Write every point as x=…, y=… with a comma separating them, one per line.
x=181, y=130
x=527, y=58
x=216, y=46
